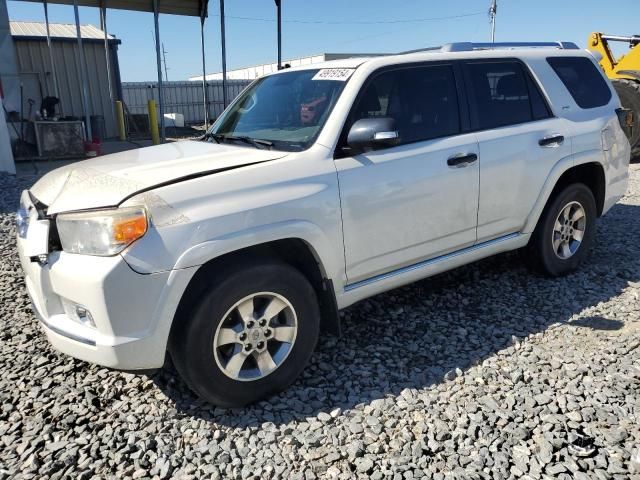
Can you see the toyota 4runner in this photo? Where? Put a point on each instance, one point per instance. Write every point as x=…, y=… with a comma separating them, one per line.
x=320, y=186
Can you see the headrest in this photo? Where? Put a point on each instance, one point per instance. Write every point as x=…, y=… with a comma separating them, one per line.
x=510, y=86
x=370, y=101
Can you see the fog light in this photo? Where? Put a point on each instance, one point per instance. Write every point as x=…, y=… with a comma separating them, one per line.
x=78, y=313
x=84, y=316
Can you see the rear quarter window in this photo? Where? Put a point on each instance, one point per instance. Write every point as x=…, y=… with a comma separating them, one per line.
x=502, y=93
x=583, y=80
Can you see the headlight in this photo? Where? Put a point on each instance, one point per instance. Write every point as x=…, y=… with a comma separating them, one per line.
x=102, y=233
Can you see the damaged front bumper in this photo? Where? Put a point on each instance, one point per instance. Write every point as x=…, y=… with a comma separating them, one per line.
x=97, y=308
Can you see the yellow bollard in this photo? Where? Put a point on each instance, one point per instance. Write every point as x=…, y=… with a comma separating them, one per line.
x=120, y=119
x=153, y=122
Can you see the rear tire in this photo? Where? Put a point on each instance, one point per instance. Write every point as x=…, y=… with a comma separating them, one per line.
x=629, y=93
x=565, y=232
x=249, y=336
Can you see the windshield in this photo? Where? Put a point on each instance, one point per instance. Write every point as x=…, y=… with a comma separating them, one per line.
x=286, y=110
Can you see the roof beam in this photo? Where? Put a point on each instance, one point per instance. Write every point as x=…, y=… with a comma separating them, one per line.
x=192, y=8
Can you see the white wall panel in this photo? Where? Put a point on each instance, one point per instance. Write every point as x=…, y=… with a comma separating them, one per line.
x=181, y=97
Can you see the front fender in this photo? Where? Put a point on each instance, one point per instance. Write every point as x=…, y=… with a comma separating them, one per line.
x=297, y=229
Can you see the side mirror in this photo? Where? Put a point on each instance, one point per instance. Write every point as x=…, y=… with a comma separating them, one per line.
x=371, y=133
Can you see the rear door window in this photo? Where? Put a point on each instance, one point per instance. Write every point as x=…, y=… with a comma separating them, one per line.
x=583, y=80
x=539, y=107
x=422, y=100
x=502, y=93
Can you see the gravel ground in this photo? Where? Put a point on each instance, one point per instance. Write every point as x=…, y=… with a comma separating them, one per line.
x=485, y=372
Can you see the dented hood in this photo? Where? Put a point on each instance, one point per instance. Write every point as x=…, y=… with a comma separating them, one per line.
x=107, y=181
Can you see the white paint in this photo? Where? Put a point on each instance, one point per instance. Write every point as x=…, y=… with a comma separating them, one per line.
x=406, y=215
x=113, y=177
x=174, y=120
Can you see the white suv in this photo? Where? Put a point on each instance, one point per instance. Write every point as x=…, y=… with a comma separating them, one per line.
x=318, y=187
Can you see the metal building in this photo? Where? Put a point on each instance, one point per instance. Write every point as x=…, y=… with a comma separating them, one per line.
x=9, y=88
x=194, y=8
x=184, y=98
x=255, y=71
x=40, y=80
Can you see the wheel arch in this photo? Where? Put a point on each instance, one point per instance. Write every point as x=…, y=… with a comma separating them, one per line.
x=293, y=251
x=590, y=173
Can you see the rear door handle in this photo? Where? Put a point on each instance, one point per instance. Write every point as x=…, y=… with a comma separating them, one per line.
x=462, y=160
x=554, y=140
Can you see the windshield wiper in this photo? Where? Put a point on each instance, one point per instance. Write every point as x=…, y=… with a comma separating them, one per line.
x=255, y=142
x=216, y=136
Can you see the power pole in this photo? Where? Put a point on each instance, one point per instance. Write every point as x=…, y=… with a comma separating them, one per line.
x=493, y=10
x=164, y=56
x=279, y=21
x=223, y=44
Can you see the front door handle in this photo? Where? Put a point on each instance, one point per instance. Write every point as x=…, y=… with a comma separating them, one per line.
x=554, y=140
x=462, y=160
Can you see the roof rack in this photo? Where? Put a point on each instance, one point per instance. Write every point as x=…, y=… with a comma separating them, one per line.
x=427, y=49
x=470, y=46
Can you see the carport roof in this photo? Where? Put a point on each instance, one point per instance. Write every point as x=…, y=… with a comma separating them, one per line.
x=56, y=30
x=192, y=8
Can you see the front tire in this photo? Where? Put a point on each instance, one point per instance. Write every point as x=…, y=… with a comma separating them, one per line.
x=565, y=232
x=250, y=335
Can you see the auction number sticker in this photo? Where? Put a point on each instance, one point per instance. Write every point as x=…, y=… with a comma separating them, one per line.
x=339, y=74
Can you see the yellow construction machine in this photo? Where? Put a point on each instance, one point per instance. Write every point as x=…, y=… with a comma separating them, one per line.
x=624, y=73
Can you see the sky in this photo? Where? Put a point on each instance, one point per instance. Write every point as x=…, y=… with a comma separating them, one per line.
x=337, y=26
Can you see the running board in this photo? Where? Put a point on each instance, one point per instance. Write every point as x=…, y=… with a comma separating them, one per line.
x=356, y=291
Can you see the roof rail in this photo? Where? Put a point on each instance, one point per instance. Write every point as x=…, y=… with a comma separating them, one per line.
x=427, y=49
x=468, y=46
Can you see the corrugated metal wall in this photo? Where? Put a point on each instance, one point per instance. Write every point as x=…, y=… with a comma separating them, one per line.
x=10, y=87
x=253, y=72
x=181, y=97
x=35, y=71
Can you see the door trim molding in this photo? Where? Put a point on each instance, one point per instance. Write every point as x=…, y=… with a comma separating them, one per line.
x=430, y=262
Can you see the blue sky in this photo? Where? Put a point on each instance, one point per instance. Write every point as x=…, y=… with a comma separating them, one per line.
x=252, y=38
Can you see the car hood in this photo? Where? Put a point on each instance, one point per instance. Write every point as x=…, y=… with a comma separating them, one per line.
x=109, y=180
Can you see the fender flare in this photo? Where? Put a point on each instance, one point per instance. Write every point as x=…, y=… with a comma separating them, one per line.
x=330, y=266
x=311, y=234
x=560, y=168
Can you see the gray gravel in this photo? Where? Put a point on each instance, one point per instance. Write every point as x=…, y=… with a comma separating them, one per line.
x=485, y=372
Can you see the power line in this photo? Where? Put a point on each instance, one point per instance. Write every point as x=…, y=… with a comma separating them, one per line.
x=356, y=22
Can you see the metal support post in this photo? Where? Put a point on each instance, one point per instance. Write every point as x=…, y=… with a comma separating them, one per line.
x=156, y=14
x=224, y=55
x=83, y=75
x=54, y=77
x=279, y=8
x=103, y=24
x=203, y=14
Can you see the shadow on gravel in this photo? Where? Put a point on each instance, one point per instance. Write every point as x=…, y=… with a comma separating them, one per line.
x=598, y=323
x=421, y=335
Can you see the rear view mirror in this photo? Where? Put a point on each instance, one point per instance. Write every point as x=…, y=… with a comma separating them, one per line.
x=371, y=133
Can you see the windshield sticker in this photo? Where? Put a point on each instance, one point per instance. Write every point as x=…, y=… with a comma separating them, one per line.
x=338, y=74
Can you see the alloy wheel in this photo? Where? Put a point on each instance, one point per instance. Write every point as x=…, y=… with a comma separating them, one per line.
x=256, y=336
x=568, y=230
